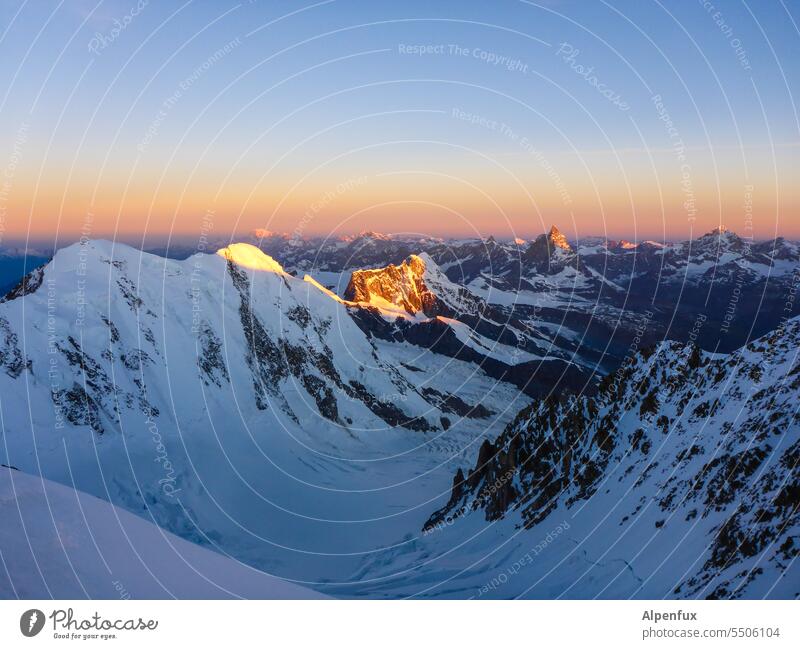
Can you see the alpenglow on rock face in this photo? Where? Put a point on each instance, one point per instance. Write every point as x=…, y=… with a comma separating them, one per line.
x=558, y=239
x=400, y=286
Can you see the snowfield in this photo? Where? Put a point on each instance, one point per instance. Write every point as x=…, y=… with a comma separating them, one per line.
x=56, y=542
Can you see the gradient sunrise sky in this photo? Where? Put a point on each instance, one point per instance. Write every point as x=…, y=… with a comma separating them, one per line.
x=634, y=119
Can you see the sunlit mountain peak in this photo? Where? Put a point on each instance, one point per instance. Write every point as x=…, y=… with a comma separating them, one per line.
x=249, y=256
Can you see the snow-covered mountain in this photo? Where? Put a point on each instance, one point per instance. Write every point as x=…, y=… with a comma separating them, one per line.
x=678, y=479
x=234, y=404
x=320, y=435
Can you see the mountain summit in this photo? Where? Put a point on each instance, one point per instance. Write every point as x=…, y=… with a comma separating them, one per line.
x=248, y=256
x=557, y=239
x=549, y=251
x=396, y=286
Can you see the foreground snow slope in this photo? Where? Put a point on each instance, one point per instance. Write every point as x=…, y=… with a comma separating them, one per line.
x=56, y=542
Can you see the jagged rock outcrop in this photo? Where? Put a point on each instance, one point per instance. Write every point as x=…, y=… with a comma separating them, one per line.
x=26, y=286
x=402, y=286
x=686, y=436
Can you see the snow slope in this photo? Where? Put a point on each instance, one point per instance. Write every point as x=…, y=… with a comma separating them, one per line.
x=59, y=543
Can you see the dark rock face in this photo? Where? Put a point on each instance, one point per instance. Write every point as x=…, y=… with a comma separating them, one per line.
x=27, y=285
x=454, y=404
x=12, y=360
x=94, y=397
x=79, y=408
x=386, y=410
x=264, y=357
x=211, y=361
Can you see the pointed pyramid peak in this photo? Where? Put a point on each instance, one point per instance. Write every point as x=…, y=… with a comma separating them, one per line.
x=558, y=239
x=722, y=236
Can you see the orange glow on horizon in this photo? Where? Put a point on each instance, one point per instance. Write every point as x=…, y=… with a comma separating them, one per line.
x=631, y=202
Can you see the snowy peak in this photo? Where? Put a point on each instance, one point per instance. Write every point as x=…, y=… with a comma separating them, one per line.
x=371, y=234
x=248, y=256
x=366, y=237
x=264, y=233
x=393, y=286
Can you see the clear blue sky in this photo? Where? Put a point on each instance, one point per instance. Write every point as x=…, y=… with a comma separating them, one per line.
x=256, y=111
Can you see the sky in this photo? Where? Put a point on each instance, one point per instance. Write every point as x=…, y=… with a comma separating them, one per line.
x=637, y=119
